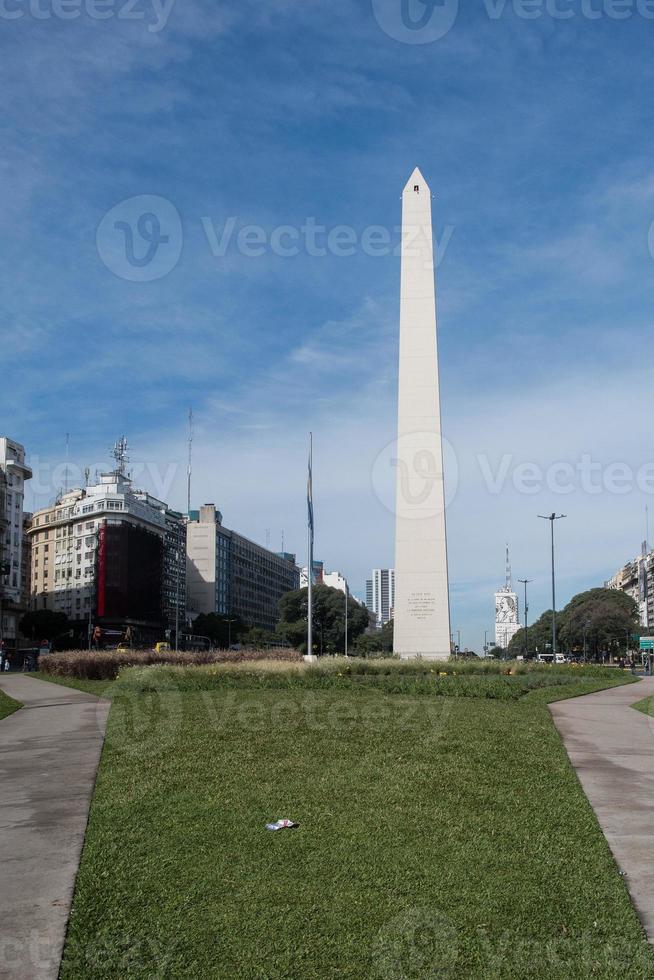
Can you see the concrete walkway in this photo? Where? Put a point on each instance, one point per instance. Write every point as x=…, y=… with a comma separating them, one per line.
x=49, y=754
x=611, y=746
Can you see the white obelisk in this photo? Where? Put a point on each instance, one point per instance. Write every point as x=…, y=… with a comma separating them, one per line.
x=421, y=613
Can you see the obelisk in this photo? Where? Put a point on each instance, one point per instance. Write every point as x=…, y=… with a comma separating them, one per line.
x=421, y=612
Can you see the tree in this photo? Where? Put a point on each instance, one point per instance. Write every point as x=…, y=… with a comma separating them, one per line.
x=375, y=642
x=607, y=617
x=221, y=630
x=44, y=624
x=328, y=616
x=497, y=652
x=540, y=636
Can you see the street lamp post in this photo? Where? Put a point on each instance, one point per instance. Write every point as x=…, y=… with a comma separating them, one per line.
x=586, y=625
x=525, y=582
x=346, y=592
x=551, y=518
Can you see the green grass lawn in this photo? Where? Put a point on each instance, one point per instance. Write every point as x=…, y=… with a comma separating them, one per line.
x=101, y=689
x=439, y=836
x=7, y=705
x=646, y=706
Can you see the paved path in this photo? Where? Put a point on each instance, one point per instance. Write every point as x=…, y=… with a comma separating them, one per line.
x=611, y=746
x=49, y=754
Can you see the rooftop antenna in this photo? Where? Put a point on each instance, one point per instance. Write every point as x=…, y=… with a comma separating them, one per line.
x=267, y=537
x=282, y=540
x=509, y=585
x=87, y=473
x=646, y=528
x=119, y=453
x=190, y=458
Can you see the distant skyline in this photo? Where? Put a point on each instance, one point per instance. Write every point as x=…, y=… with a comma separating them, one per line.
x=536, y=138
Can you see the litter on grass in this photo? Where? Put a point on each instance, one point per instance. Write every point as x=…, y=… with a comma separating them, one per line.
x=282, y=825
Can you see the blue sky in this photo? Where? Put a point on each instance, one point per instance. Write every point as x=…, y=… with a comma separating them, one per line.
x=536, y=138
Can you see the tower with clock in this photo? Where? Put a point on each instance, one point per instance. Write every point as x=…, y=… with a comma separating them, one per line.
x=507, y=613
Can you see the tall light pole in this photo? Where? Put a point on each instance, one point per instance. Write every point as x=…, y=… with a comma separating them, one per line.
x=346, y=592
x=551, y=518
x=525, y=582
x=310, y=551
x=586, y=625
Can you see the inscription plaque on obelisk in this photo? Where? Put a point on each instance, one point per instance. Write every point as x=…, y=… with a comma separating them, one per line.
x=421, y=616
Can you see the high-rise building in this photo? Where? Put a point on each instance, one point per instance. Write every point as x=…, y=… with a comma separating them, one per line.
x=110, y=555
x=422, y=612
x=636, y=578
x=13, y=474
x=380, y=594
x=230, y=575
x=507, y=615
x=318, y=574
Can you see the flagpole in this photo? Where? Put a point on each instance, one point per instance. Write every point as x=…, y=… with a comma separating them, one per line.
x=310, y=552
x=346, y=595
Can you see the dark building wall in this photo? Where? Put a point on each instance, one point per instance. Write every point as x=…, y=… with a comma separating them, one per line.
x=174, y=570
x=258, y=578
x=129, y=574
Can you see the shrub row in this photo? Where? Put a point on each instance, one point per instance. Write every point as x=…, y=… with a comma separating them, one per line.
x=336, y=676
x=106, y=664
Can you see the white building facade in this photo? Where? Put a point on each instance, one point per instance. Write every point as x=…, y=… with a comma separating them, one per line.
x=65, y=538
x=507, y=610
x=13, y=475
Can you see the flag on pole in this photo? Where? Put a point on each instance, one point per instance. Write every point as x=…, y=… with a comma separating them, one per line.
x=310, y=495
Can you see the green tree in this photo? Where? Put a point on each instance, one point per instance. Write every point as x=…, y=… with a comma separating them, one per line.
x=328, y=615
x=43, y=624
x=497, y=652
x=539, y=638
x=375, y=642
x=221, y=630
x=606, y=616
